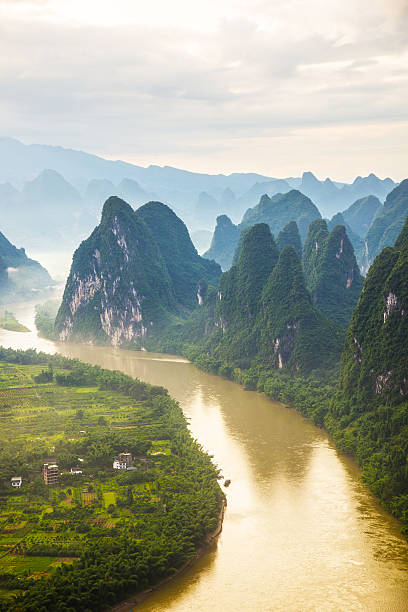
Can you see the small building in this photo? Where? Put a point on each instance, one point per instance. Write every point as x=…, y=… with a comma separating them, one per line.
x=119, y=465
x=126, y=458
x=16, y=481
x=51, y=474
x=76, y=470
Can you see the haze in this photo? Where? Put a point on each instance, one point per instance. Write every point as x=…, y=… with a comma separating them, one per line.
x=270, y=87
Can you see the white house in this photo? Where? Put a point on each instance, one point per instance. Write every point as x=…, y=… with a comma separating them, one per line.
x=119, y=465
x=16, y=481
x=127, y=458
x=76, y=470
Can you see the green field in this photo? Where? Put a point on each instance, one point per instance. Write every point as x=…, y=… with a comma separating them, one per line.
x=74, y=415
x=9, y=322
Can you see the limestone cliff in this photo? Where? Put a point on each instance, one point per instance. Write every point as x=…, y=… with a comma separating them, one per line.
x=119, y=289
x=375, y=359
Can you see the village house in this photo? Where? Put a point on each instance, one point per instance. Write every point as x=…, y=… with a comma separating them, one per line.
x=127, y=458
x=51, y=474
x=119, y=465
x=16, y=481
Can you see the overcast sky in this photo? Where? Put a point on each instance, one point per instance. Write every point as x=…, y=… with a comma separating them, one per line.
x=270, y=86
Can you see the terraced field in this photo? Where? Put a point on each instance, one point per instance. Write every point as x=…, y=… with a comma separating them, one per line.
x=45, y=417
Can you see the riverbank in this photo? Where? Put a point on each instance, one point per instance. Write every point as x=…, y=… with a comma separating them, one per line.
x=291, y=498
x=132, y=602
x=366, y=436
x=154, y=516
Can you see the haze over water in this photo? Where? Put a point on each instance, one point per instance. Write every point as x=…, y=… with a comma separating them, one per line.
x=300, y=533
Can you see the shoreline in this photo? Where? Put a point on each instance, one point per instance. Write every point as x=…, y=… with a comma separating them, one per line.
x=135, y=600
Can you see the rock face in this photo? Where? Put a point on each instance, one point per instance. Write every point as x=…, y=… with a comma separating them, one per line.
x=276, y=212
x=375, y=358
x=388, y=223
x=19, y=275
x=331, y=271
x=121, y=287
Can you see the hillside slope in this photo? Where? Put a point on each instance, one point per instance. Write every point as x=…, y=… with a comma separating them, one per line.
x=131, y=276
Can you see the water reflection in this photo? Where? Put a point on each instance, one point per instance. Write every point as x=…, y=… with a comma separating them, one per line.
x=301, y=531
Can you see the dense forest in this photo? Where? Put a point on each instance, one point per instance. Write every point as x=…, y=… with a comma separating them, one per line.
x=100, y=534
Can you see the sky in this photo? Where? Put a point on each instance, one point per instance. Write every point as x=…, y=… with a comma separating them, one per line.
x=269, y=86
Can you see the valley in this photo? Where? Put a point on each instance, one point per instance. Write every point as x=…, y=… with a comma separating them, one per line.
x=295, y=505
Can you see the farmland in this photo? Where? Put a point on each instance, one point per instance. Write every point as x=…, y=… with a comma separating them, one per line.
x=60, y=544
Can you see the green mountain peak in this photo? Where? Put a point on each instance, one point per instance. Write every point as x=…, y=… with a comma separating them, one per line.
x=289, y=236
x=331, y=271
x=293, y=333
x=135, y=273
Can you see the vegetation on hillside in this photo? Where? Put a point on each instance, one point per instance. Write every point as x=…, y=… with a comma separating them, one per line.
x=135, y=273
x=388, y=223
x=331, y=271
x=185, y=267
x=364, y=405
x=290, y=236
x=361, y=214
x=8, y=321
x=276, y=212
x=45, y=318
x=101, y=535
x=261, y=314
x=224, y=241
x=19, y=275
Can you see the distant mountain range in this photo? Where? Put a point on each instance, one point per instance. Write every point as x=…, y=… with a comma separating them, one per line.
x=276, y=212
x=57, y=192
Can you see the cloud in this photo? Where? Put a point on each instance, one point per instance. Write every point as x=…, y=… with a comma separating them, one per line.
x=176, y=93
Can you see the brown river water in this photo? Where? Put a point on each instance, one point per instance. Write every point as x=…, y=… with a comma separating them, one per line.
x=301, y=532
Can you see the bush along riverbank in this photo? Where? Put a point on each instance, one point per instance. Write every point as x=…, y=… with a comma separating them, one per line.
x=377, y=438
x=98, y=535
x=261, y=329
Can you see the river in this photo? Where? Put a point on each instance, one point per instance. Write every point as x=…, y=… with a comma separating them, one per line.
x=300, y=533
